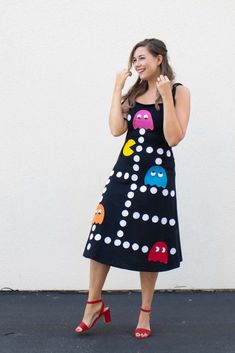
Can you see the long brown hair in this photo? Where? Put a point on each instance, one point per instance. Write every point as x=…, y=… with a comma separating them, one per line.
x=155, y=47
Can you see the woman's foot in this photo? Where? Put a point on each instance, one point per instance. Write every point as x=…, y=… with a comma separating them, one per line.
x=90, y=314
x=143, y=327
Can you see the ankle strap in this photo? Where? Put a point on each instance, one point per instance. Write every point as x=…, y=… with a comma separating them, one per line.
x=94, y=301
x=146, y=310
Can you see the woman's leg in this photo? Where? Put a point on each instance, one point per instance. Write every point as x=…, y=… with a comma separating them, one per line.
x=148, y=281
x=98, y=273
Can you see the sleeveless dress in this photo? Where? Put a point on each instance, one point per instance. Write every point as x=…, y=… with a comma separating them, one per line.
x=135, y=224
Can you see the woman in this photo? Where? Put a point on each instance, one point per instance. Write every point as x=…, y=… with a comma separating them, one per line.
x=135, y=225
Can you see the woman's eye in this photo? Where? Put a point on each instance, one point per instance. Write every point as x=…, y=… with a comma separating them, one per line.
x=135, y=59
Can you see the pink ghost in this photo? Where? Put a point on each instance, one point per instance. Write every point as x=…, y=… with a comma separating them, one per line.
x=143, y=119
x=159, y=252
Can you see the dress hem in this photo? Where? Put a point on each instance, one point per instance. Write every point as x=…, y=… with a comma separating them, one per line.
x=131, y=268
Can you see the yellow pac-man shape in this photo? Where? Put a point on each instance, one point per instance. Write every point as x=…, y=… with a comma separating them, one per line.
x=127, y=150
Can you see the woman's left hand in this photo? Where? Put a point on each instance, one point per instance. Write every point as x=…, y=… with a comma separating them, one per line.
x=164, y=86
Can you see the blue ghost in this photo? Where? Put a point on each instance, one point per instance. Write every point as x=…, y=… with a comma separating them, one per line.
x=156, y=175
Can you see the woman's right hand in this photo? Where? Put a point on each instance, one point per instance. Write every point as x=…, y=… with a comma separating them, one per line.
x=121, y=77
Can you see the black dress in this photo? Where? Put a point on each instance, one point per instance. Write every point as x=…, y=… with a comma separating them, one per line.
x=135, y=225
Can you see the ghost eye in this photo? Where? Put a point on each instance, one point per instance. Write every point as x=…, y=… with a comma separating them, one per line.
x=153, y=173
x=139, y=116
x=157, y=248
x=145, y=116
x=99, y=211
x=163, y=250
x=160, y=174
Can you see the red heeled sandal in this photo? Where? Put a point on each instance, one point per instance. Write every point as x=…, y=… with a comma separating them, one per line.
x=143, y=332
x=103, y=311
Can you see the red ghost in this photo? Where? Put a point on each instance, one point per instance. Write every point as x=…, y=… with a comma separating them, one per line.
x=159, y=252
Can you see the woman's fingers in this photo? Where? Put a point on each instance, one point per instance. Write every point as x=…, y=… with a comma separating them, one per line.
x=162, y=78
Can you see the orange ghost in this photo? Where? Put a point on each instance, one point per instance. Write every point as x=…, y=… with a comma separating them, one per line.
x=99, y=214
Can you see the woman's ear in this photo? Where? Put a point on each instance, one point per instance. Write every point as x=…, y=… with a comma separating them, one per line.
x=159, y=59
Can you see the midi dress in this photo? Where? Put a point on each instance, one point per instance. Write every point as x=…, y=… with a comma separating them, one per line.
x=135, y=222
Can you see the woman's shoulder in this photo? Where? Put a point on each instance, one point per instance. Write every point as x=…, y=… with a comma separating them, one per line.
x=180, y=86
x=180, y=90
x=181, y=94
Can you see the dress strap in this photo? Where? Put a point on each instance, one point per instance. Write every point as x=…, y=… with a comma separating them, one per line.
x=174, y=89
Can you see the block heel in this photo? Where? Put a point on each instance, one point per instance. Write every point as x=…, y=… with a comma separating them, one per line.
x=82, y=327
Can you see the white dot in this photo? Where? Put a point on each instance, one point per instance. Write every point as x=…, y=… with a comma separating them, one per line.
x=164, y=192
x=155, y=219
x=168, y=153
x=172, y=251
x=160, y=151
x=172, y=193
x=117, y=242
x=135, y=246
x=119, y=174
x=125, y=213
x=105, y=189
x=128, y=203
x=164, y=220
x=91, y=236
x=153, y=190
x=139, y=148
x=134, y=177
x=107, y=240
x=133, y=186
x=93, y=227
x=88, y=246
x=122, y=223
x=158, y=161
x=144, y=249
x=97, y=237
x=149, y=149
x=136, y=158
x=129, y=117
x=120, y=233
x=145, y=217
x=130, y=194
x=172, y=222
x=141, y=139
x=107, y=182
x=143, y=188
x=136, y=215
x=126, y=244
x=136, y=167
x=126, y=175
x=142, y=131
x=112, y=172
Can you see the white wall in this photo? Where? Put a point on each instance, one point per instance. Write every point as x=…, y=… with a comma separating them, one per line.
x=58, y=62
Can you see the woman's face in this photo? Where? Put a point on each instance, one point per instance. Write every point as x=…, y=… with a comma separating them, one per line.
x=145, y=64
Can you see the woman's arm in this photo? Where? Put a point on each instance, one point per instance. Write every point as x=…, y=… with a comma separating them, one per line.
x=117, y=123
x=176, y=117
